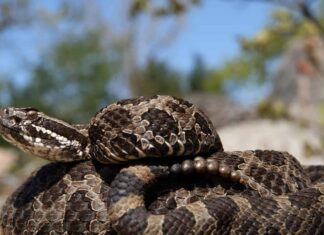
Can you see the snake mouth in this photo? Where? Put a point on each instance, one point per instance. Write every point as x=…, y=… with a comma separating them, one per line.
x=3, y=112
x=6, y=126
x=11, y=134
x=8, y=133
x=5, y=130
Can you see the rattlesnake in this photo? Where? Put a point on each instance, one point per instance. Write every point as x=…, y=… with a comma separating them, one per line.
x=245, y=192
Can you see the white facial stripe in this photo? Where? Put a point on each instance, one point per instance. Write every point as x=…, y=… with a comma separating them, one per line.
x=63, y=141
x=41, y=129
x=39, y=136
x=28, y=138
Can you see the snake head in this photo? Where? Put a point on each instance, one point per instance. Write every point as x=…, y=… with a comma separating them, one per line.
x=35, y=132
x=13, y=122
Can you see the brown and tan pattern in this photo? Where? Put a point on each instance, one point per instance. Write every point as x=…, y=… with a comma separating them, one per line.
x=181, y=182
x=60, y=197
x=74, y=198
x=157, y=126
x=272, y=189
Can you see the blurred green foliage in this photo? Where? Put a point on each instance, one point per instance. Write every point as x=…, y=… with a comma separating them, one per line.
x=258, y=52
x=72, y=77
x=197, y=75
x=163, y=8
x=156, y=77
x=74, y=74
x=321, y=111
x=272, y=109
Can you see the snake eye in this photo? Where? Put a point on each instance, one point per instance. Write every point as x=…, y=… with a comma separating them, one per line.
x=32, y=113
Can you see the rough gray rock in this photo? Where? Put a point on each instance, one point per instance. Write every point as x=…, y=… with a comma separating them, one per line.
x=276, y=135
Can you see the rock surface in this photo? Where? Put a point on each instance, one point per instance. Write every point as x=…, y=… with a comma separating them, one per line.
x=221, y=110
x=276, y=135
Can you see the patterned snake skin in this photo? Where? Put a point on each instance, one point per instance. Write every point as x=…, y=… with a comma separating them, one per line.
x=157, y=126
x=250, y=192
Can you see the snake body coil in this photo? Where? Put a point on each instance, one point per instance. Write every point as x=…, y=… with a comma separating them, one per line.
x=157, y=126
x=155, y=141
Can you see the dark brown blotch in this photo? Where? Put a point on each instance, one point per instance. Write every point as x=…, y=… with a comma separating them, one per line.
x=264, y=207
x=116, y=118
x=224, y=210
x=183, y=102
x=174, y=222
x=175, y=107
x=304, y=198
x=161, y=123
x=270, y=157
x=205, y=125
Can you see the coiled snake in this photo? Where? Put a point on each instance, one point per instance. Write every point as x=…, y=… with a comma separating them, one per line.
x=154, y=165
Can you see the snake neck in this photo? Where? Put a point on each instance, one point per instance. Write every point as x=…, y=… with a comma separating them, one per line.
x=38, y=134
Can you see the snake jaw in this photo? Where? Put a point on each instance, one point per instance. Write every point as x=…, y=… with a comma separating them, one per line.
x=13, y=122
x=10, y=117
x=36, y=133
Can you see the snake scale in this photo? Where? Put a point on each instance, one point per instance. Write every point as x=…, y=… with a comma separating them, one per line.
x=154, y=165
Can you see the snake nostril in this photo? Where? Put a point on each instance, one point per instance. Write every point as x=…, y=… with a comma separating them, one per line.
x=3, y=112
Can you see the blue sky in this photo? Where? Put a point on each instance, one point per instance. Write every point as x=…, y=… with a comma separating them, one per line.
x=210, y=30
